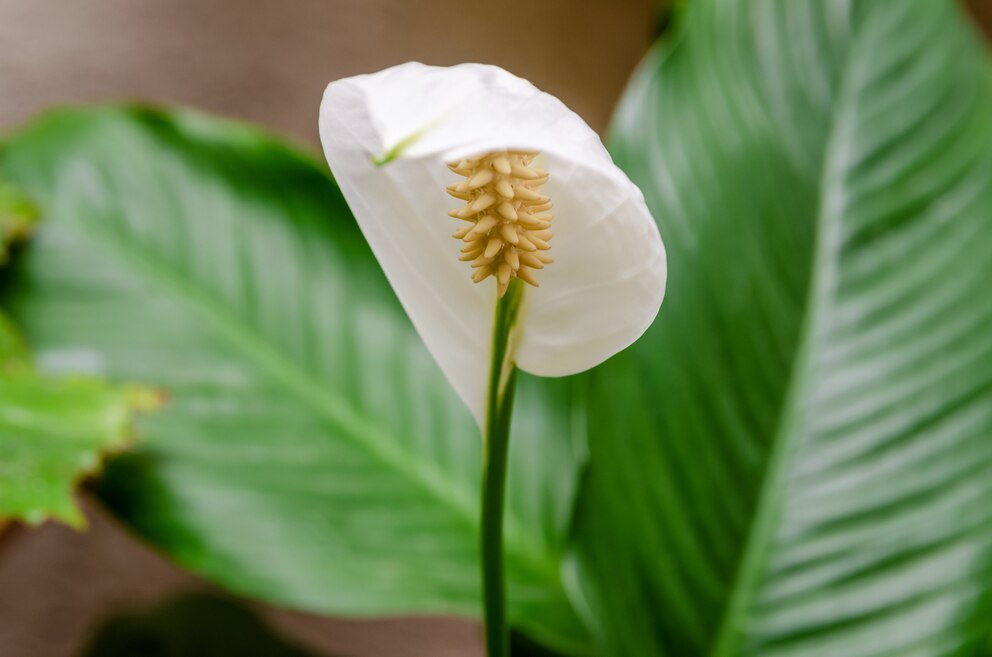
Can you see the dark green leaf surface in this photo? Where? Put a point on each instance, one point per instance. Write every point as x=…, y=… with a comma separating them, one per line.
x=311, y=452
x=797, y=458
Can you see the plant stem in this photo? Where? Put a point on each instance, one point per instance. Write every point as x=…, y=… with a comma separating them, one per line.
x=499, y=410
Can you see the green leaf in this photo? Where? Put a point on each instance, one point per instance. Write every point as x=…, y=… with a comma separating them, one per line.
x=797, y=458
x=311, y=453
x=54, y=433
x=17, y=217
x=13, y=352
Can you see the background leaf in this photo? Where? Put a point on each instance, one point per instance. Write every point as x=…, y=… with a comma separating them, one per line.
x=17, y=217
x=797, y=458
x=311, y=453
x=13, y=352
x=53, y=433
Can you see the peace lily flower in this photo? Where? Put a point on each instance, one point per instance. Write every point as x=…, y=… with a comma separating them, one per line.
x=424, y=154
x=416, y=149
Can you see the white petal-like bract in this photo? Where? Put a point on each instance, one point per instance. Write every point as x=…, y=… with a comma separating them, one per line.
x=388, y=137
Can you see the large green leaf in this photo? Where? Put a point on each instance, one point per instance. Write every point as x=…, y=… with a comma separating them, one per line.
x=797, y=458
x=311, y=452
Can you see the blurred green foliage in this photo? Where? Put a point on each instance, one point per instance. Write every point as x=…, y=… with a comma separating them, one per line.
x=53, y=431
x=17, y=217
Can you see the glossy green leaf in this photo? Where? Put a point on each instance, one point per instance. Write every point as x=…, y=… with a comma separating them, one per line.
x=311, y=453
x=796, y=460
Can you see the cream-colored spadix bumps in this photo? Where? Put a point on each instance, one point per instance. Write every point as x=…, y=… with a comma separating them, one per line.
x=424, y=154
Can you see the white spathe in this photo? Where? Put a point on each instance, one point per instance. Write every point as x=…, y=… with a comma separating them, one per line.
x=608, y=279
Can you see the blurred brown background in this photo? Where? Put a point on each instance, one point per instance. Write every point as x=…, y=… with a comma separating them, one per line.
x=269, y=61
x=266, y=62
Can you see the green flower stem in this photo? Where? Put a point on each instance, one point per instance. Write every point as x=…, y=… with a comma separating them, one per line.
x=499, y=410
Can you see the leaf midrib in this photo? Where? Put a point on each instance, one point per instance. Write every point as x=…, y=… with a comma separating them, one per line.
x=823, y=266
x=309, y=390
